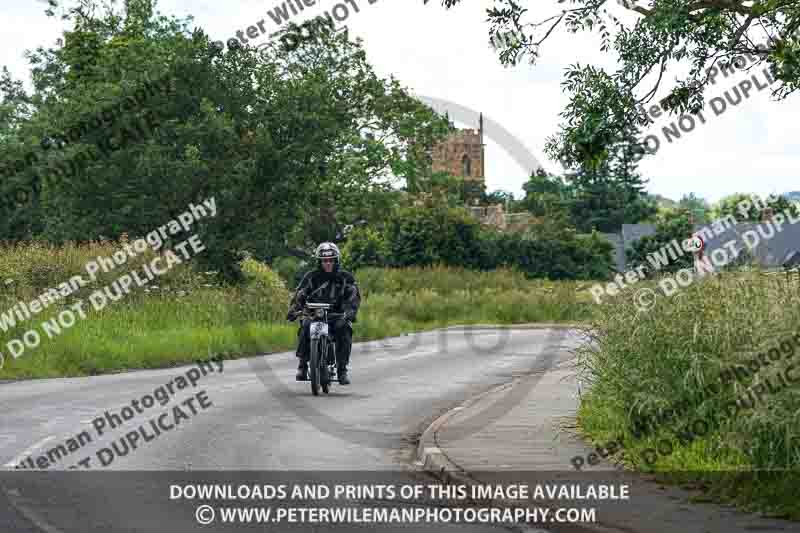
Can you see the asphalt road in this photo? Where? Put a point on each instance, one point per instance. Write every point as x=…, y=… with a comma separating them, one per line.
x=238, y=420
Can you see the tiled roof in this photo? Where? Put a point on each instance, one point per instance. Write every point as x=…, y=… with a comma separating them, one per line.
x=769, y=252
x=633, y=232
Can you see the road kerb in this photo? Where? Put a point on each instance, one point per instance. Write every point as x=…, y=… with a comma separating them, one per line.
x=435, y=461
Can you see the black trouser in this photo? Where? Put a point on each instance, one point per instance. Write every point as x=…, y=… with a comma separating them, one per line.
x=342, y=332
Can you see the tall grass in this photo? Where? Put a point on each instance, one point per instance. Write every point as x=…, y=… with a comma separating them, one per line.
x=641, y=363
x=444, y=280
x=180, y=315
x=186, y=314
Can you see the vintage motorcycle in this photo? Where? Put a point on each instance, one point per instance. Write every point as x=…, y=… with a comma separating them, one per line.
x=322, y=363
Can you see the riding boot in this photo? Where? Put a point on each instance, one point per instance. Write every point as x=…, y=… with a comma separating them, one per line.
x=342, y=361
x=302, y=370
x=302, y=352
x=344, y=343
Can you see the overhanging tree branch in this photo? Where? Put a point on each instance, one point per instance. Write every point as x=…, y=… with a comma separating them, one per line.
x=743, y=28
x=668, y=32
x=723, y=5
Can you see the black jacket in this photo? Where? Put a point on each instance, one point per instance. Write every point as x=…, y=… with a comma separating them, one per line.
x=337, y=288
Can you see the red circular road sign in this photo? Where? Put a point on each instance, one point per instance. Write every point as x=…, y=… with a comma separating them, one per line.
x=696, y=244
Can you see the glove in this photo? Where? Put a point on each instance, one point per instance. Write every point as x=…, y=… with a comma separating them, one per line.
x=350, y=316
x=291, y=316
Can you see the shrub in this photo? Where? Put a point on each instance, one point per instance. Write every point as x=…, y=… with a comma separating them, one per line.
x=425, y=236
x=264, y=288
x=594, y=256
x=442, y=235
x=444, y=280
x=27, y=269
x=676, y=227
x=645, y=363
x=290, y=269
x=260, y=276
x=568, y=257
x=365, y=247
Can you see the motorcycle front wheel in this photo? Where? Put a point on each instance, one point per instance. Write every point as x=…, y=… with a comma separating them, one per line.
x=313, y=370
x=325, y=364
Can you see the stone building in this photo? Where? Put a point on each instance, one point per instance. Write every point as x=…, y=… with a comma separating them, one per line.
x=462, y=154
x=492, y=215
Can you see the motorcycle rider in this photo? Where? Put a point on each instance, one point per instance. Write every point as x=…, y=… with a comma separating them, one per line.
x=330, y=285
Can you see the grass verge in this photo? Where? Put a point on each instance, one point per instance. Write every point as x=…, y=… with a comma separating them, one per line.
x=671, y=366
x=190, y=314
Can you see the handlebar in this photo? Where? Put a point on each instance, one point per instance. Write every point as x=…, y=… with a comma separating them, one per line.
x=330, y=315
x=305, y=313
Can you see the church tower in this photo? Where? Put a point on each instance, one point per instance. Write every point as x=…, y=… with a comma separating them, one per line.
x=480, y=126
x=462, y=154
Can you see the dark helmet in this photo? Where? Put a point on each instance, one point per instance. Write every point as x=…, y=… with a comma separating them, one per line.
x=327, y=250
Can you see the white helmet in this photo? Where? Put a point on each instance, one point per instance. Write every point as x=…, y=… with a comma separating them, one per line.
x=327, y=250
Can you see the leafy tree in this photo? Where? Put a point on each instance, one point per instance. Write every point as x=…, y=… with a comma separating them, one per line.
x=698, y=207
x=290, y=269
x=729, y=205
x=365, y=247
x=675, y=227
x=604, y=200
x=373, y=207
x=664, y=202
x=500, y=196
x=607, y=191
x=451, y=189
x=677, y=35
x=601, y=198
x=275, y=137
x=541, y=255
x=780, y=203
x=545, y=194
x=556, y=225
x=434, y=233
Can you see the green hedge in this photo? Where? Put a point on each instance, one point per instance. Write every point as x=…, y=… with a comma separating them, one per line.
x=442, y=235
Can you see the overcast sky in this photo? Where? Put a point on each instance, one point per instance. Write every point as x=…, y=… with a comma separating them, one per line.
x=445, y=54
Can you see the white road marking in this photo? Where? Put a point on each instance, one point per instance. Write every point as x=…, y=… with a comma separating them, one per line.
x=18, y=459
x=416, y=353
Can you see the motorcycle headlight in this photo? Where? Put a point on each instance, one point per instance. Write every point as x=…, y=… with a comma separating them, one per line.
x=320, y=313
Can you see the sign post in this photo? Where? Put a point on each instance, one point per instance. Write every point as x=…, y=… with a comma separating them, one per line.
x=696, y=245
